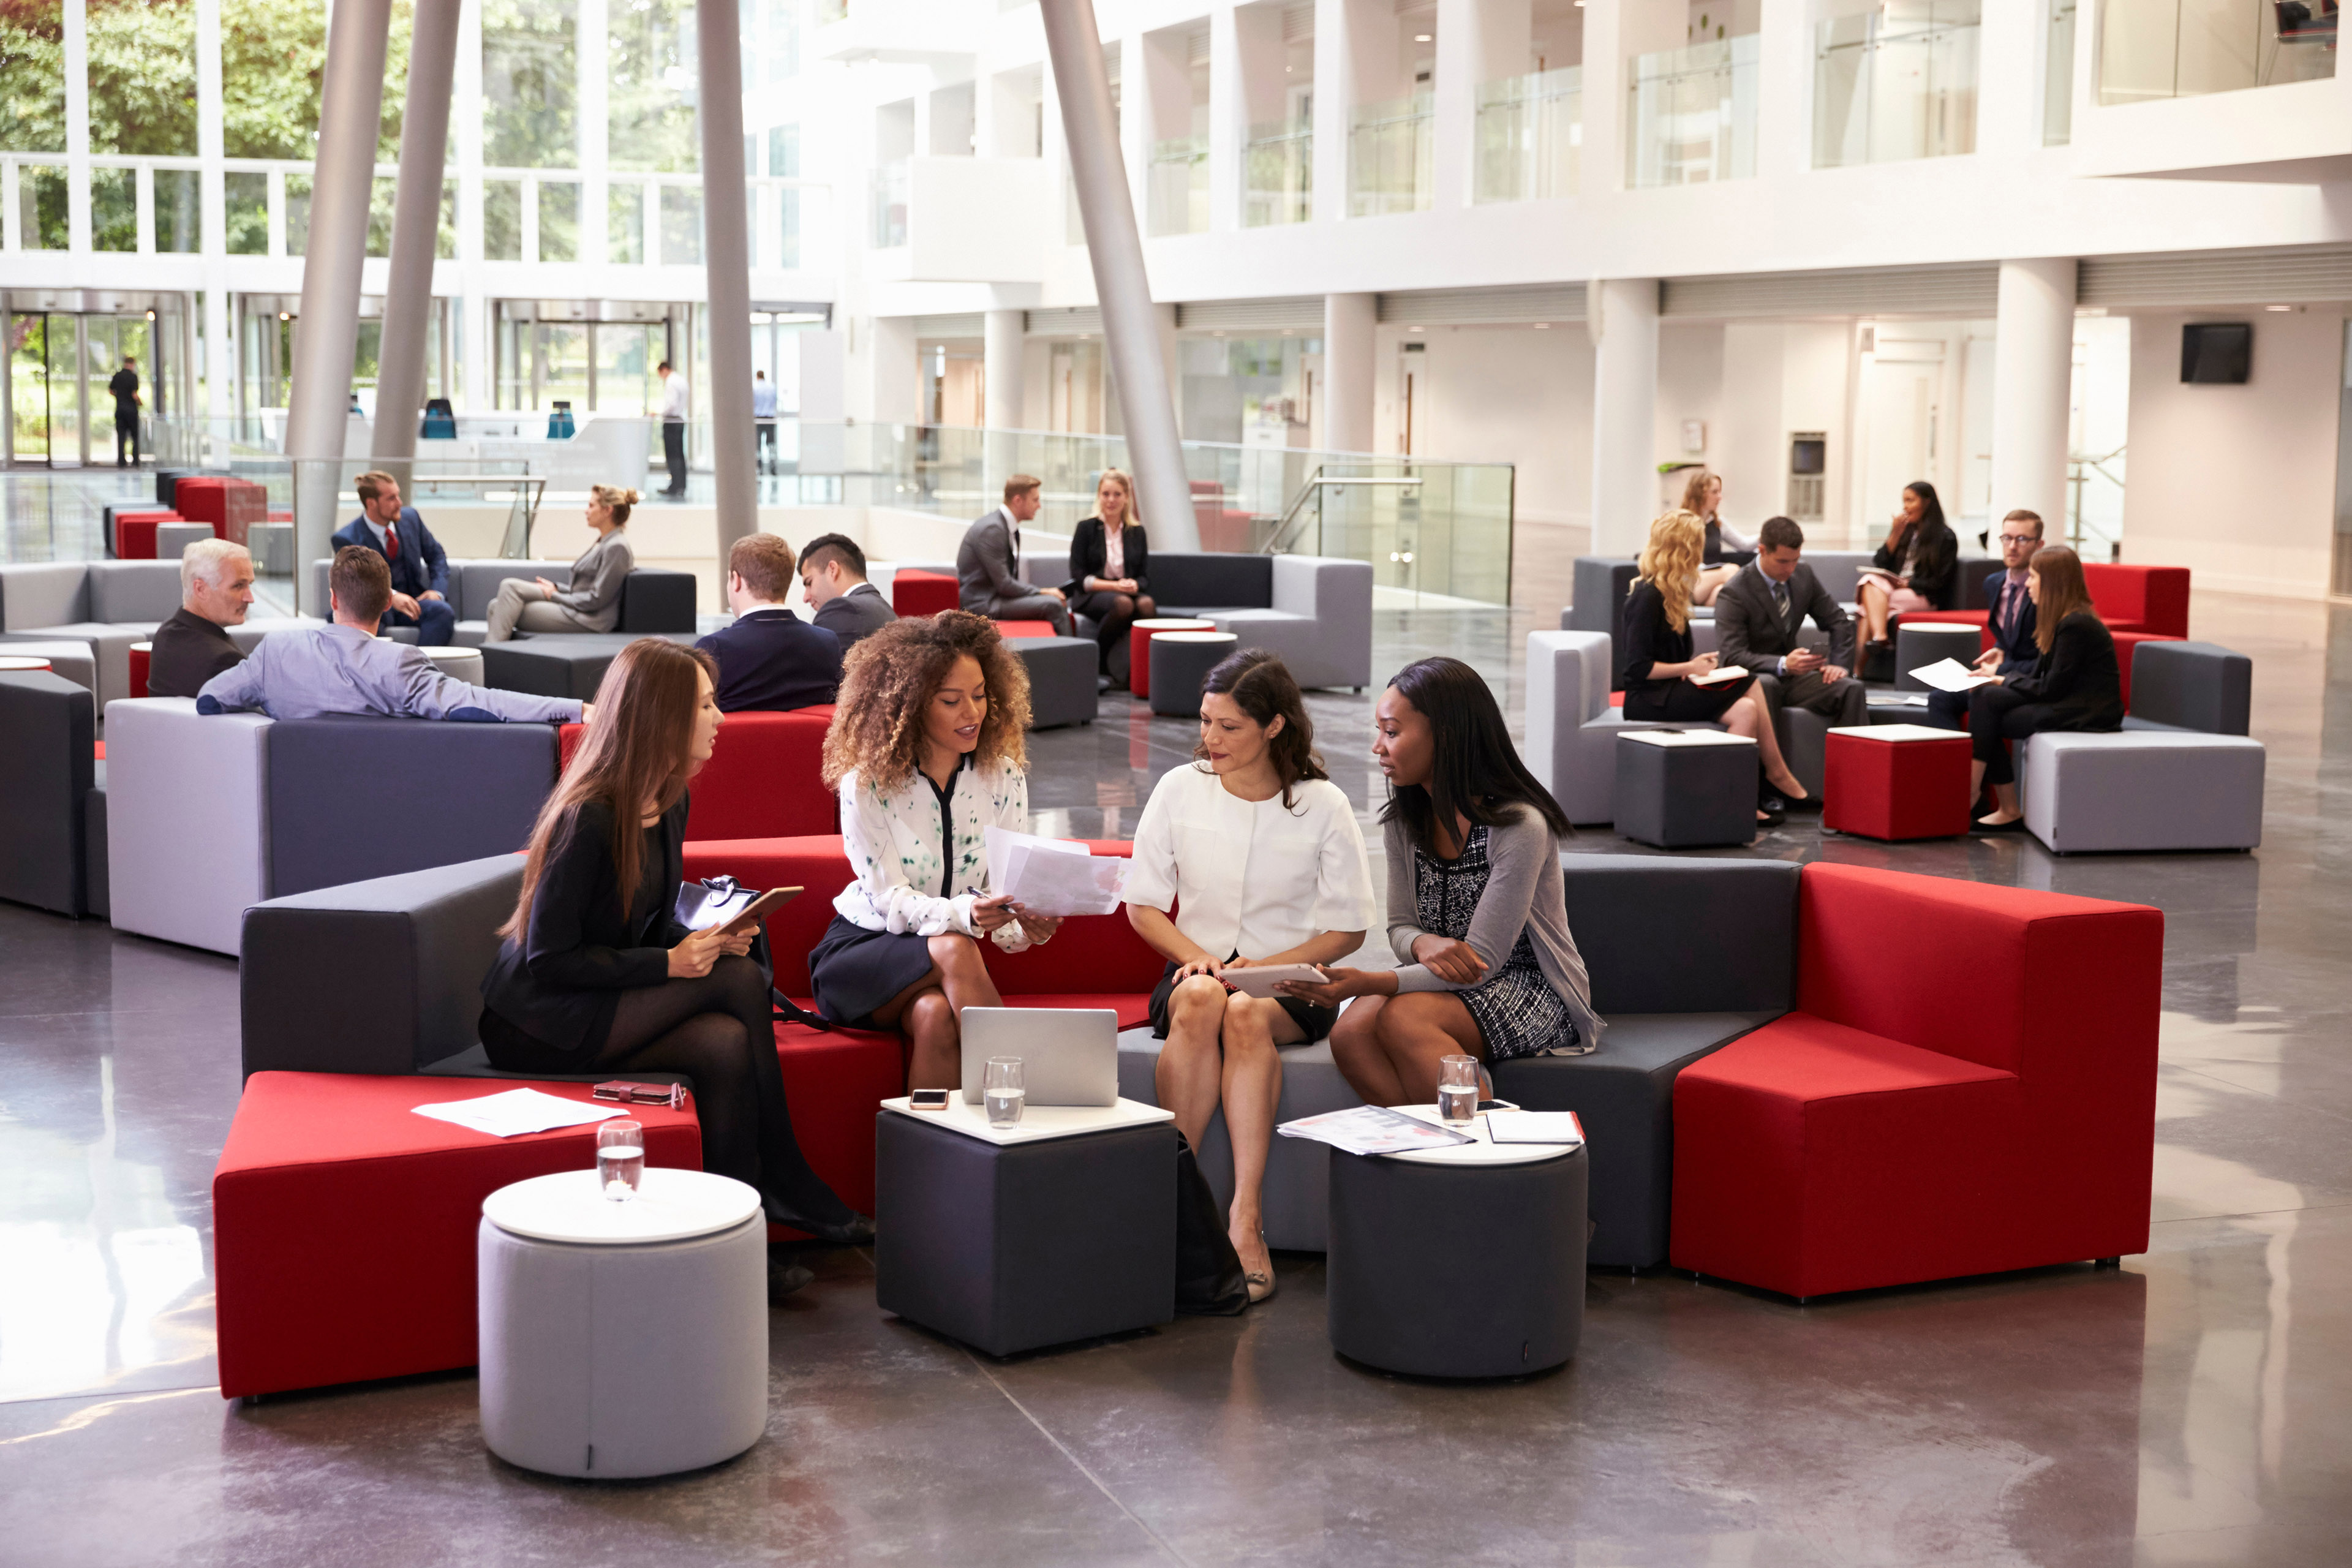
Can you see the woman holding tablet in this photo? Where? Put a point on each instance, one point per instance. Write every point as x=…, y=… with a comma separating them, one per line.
x=1476, y=911
x=1258, y=852
x=596, y=975
x=927, y=749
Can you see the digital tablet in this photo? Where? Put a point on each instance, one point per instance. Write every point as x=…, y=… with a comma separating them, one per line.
x=757, y=912
x=1260, y=979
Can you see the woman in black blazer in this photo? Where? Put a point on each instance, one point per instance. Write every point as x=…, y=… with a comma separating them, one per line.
x=1923, y=555
x=2076, y=684
x=1111, y=576
x=1659, y=666
x=595, y=974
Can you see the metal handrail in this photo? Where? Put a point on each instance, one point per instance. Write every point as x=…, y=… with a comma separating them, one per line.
x=1315, y=481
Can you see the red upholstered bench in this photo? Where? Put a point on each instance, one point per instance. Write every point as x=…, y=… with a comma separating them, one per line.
x=914, y=593
x=2134, y=598
x=344, y=1224
x=1026, y=629
x=1967, y=1084
x=763, y=779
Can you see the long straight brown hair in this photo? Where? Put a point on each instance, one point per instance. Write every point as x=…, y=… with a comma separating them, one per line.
x=2063, y=592
x=636, y=753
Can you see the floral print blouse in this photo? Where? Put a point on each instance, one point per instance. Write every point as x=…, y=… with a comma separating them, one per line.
x=897, y=849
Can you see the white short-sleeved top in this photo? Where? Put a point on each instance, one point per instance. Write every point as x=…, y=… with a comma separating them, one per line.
x=1256, y=878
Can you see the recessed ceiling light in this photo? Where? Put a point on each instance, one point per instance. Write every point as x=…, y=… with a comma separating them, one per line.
x=1543, y=326
x=1413, y=329
x=1420, y=38
x=2278, y=307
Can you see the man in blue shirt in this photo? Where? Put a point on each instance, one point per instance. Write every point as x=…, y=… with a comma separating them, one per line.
x=764, y=410
x=770, y=657
x=420, y=568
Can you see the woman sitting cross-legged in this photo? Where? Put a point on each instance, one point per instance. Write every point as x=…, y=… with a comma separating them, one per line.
x=1111, y=561
x=2076, y=684
x=595, y=975
x=1258, y=853
x=1476, y=911
x=927, y=748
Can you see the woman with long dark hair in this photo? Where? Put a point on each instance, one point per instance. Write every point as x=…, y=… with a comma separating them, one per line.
x=1920, y=561
x=1478, y=913
x=2075, y=684
x=1259, y=854
x=594, y=972
x=1111, y=561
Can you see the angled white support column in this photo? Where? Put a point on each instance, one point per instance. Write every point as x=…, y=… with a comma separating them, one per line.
x=2032, y=388
x=1130, y=328
x=1621, y=313
x=327, y=334
x=727, y=265
x=416, y=233
x=1349, y=323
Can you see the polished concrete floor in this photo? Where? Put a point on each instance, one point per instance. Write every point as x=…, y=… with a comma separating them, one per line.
x=2195, y=1407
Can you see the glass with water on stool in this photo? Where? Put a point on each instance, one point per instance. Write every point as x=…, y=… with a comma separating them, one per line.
x=619, y=1159
x=1457, y=1088
x=1003, y=1091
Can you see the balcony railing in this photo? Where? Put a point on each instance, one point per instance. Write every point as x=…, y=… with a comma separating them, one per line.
x=1895, y=83
x=1690, y=114
x=1390, y=167
x=1530, y=136
x=1278, y=172
x=890, y=205
x=2162, y=48
x=1179, y=185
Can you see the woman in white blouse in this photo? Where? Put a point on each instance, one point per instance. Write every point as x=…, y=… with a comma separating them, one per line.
x=927, y=750
x=1259, y=854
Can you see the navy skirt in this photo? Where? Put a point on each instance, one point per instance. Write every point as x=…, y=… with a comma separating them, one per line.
x=853, y=971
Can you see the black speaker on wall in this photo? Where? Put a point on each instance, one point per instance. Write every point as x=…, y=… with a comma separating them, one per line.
x=2219, y=353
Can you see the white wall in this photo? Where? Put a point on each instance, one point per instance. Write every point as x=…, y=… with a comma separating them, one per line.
x=1691, y=385
x=1514, y=395
x=2237, y=483
x=1781, y=377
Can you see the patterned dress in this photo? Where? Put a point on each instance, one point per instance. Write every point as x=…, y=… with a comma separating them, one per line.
x=1515, y=1007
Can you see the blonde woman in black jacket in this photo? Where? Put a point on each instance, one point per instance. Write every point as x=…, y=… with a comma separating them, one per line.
x=1110, y=562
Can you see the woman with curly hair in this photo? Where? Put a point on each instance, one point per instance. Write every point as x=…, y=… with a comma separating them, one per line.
x=928, y=750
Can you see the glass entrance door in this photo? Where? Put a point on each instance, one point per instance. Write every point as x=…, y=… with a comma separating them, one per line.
x=29, y=387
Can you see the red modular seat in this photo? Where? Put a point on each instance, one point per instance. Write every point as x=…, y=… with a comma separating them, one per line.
x=2134, y=598
x=141, y=655
x=1026, y=629
x=134, y=532
x=763, y=779
x=231, y=506
x=1967, y=1084
x=1894, y=789
x=344, y=1224
x=914, y=593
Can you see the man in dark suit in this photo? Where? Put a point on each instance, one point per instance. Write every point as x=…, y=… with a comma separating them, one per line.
x=833, y=579
x=420, y=567
x=988, y=563
x=770, y=658
x=1758, y=613
x=2010, y=620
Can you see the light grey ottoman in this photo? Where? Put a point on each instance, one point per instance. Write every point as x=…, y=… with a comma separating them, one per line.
x=1927, y=642
x=2142, y=789
x=458, y=663
x=621, y=1340
x=172, y=538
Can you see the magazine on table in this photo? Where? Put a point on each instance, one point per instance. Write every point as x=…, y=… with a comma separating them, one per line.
x=1372, y=1129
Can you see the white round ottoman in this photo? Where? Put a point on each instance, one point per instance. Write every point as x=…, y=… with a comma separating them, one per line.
x=458, y=663
x=623, y=1339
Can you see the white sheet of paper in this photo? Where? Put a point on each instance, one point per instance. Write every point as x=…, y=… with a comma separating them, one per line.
x=1719, y=674
x=1047, y=882
x=1951, y=675
x=999, y=843
x=518, y=1111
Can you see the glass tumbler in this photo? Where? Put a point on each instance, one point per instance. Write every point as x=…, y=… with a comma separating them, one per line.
x=1457, y=1088
x=619, y=1159
x=1003, y=1091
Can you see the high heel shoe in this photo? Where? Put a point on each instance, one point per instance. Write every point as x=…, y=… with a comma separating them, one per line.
x=1262, y=1287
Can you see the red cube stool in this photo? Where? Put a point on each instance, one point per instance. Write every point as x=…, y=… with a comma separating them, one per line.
x=344, y=1224
x=134, y=532
x=914, y=593
x=1896, y=781
x=231, y=506
x=141, y=653
x=1139, y=648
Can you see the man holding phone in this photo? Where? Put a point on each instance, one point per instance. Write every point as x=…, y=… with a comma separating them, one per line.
x=1759, y=614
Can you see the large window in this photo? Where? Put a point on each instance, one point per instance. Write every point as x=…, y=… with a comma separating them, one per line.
x=273, y=56
x=142, y=77
x=1898, y=81
x=650, y=86
x=530, y=84
x=33, y=77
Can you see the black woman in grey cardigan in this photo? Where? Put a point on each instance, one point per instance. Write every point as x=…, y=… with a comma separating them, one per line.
x=1478, y=915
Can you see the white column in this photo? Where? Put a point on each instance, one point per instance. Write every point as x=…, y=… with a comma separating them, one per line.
x=1602, y=164
x=1621, y=313
x=1228, y=116
x=1453, y=106
x=350, y=103
x=1130, y=329
x=2033, y=380
x=894, y=371
x=1000, y=369
x=727, y=271
x=1335, y=95
x=1349, y=323
x=218, y=355
x=416, y=232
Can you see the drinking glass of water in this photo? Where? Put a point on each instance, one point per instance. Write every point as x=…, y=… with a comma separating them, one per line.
x=619, y=1159
x=1003, y=1091
x=1457, y=1088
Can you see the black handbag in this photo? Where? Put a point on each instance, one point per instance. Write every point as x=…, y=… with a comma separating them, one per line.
x=717, y=899
x=1209, y=1281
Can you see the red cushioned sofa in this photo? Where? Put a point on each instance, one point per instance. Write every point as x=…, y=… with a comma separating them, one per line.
x=1967, y=1084
x=763, y=779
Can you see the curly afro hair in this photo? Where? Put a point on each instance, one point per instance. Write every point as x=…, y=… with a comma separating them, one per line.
x=889, y=680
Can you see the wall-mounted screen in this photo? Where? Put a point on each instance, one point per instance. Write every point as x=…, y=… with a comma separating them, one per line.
x=2220, y=353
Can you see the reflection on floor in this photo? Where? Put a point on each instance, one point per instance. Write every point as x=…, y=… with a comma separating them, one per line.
x=2194, y=1408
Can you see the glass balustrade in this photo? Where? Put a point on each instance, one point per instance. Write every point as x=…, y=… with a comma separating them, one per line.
x=1897, y=83
x=891, y=204
x=1179, y=185
x=1530, y=133
x=1690, y=114
x=1390, y=167
x=2184, y=48
x=1278, y=172
x=2058, y=76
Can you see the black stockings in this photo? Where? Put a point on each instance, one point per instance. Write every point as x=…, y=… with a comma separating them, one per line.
x=1117, y=614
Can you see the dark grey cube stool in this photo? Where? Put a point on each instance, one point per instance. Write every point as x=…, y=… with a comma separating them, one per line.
x=1679, y=789
x=1179, y=662
x=1461, y=1262
x=1061, y=680
x=558, y=664
x=1925, y=642
x=1061, y=1229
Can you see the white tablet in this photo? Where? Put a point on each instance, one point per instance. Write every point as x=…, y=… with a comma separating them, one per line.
x=1260, y=979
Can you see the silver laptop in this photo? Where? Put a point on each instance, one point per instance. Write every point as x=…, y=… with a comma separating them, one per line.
x=1069, y=1055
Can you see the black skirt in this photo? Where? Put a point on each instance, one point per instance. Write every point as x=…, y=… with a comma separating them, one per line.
x=1315, y=1022
x=1680, y=702
x=853, y=971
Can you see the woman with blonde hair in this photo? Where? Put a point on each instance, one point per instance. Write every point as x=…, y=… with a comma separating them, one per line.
x=594, y=973
x=1111, y=563
x=1660, y=670
x=593, y=602
x=2076, y=684
x=1727, y=550
x=928, y=751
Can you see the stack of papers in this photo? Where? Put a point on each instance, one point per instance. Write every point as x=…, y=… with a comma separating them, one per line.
x=1534, y=1126
x=1951, y=675
x=518, y=1111
x=1372, y=1129
x=1053, y=876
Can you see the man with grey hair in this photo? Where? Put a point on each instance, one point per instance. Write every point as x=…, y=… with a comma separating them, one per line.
x=194, y=645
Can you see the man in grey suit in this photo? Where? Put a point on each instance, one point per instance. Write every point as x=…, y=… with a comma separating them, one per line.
x=1758, y=613
x=988, y=563
x=833, y=579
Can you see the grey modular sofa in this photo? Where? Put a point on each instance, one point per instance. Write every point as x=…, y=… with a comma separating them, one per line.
x=49, y=778
x=106, y=605
x=209, y=815
x=1316, y=611
x=1573, y=727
